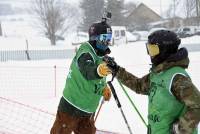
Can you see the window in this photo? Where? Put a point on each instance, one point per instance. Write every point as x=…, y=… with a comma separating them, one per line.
x=122, y=33
x=116, y=33
x=186, y=29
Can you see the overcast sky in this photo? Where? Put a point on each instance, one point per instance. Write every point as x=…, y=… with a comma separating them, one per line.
x=159, y=6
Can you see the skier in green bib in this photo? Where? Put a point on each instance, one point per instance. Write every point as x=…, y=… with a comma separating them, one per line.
x=173, y=100
x=85, y=84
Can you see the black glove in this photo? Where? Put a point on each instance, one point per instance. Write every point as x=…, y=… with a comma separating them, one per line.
x=112, y=65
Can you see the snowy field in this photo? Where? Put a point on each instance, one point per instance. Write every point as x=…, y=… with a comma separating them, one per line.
x=32, y=83
x=39, y=84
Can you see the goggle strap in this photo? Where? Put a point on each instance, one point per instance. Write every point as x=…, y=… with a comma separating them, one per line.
x=93, y=38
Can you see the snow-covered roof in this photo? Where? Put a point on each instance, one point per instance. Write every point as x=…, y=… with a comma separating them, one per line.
x=158, y=22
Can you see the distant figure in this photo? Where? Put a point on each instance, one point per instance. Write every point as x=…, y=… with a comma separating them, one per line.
x=174, y=101
x=85, y=84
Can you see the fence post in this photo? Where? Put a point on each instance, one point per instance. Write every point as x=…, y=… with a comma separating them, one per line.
x=0, y=29
x=55, y=80
x=27, y=50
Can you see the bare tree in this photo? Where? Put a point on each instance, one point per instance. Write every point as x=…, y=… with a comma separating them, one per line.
x=92, y=10
x=172, y=11
x=54, y=17
x=168, y=13
x=190, y=6
x=198, y=1
x=130, y=6
x=198, y=11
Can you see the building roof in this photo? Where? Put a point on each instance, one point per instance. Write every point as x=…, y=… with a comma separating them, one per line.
x=143, y=13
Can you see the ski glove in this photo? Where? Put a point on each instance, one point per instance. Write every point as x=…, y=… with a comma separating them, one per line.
x=106, y=93
x=103, y=70
x=112, y=65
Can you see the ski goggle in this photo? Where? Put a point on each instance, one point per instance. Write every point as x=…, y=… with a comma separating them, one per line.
x=152, y=49
x=103, y=41
x=105, y=37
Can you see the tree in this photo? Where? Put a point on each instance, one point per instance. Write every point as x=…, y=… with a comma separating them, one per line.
x=171, y=12
x=93, y=11
x=197, y=7
x=116, y=7
x=130, y=6
x=186, y=7
x=190, y=6
x=198, y=1
x=198, y=11
x=53, y=17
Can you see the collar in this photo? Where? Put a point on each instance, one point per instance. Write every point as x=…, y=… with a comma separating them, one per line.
x=184, y=63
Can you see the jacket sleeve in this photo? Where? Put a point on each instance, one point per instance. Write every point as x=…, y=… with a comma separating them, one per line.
x=87, y=66
x=139, y=85
x=185, y=91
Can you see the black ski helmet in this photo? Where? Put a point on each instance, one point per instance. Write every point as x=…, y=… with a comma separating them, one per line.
x=168, y=43
x=99, y=28
x=95, y=32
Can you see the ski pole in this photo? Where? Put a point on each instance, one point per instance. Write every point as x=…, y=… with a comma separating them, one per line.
x=119, y=105
x=102, y=101
x=132, y=104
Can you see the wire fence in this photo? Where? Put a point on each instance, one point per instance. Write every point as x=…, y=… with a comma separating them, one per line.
x=18, y=118
x=31, y=81
x=6, y=55
x=30, y=84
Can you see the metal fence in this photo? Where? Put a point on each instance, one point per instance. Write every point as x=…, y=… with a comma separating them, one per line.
x=35, y=54
x=6, y=55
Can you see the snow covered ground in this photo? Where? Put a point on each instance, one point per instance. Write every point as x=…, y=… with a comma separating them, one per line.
x=38, y=88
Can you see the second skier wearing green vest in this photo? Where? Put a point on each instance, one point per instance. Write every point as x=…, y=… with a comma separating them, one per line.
x=174, y=102
x=85, y=84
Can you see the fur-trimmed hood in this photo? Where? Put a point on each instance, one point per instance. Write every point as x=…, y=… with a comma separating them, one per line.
x=178, y=59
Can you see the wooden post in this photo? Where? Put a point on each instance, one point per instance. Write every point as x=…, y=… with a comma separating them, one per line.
x=55, y=81
x=27, y=51
x=0, y=29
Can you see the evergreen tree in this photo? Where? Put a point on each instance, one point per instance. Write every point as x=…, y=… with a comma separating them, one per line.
x=116, y=7
x=93, y=11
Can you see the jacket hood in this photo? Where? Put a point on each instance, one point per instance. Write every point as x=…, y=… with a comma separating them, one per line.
x=178, y=59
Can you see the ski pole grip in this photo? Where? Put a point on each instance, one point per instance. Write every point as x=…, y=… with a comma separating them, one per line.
x=114, y=94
